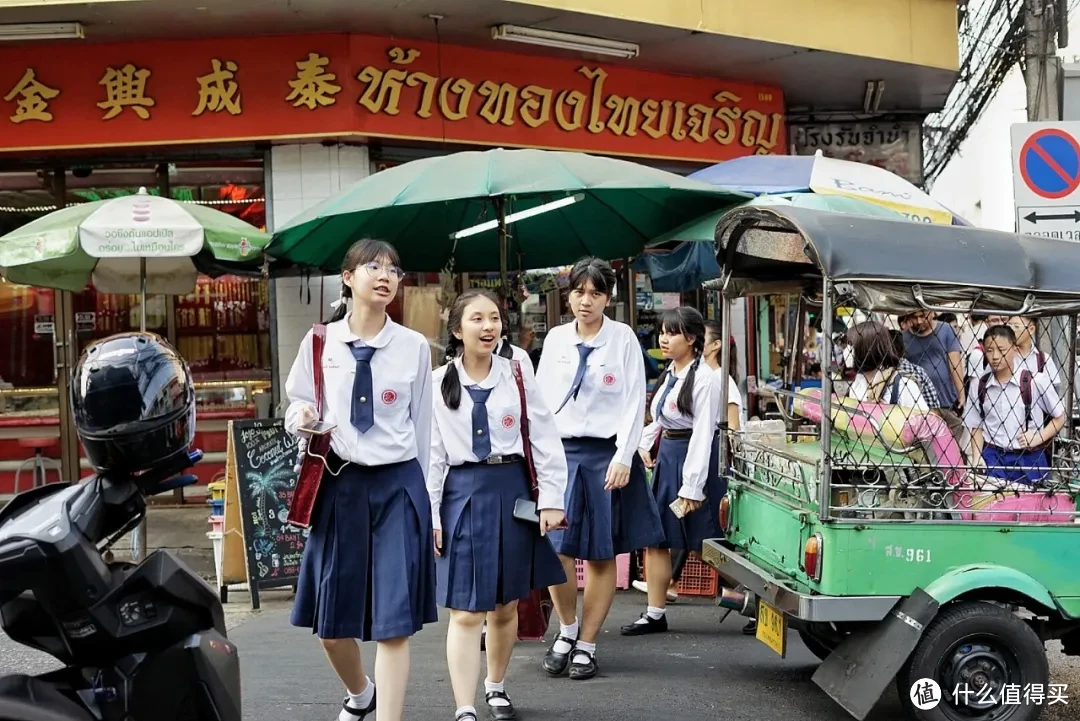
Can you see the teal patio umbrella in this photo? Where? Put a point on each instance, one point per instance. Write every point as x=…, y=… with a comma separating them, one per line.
x=477, y=210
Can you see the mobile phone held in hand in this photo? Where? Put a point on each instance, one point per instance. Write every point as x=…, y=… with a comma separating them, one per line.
x=525, y=510
x=318, y=428
x=678, y=508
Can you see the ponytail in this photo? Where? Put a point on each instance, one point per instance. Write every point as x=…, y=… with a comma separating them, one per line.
x=505, y=349
x=451, y=384
x=343, y=307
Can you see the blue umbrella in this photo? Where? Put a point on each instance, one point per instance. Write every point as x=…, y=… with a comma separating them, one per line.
x=770, y=174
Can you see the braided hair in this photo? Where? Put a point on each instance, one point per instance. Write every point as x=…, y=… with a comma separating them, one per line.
x=688, y=322
x=451, y=383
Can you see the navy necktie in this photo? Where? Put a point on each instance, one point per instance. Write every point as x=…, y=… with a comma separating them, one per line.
x=363, y=405
x=671, y=381
x=583, y=353
x=481, y=440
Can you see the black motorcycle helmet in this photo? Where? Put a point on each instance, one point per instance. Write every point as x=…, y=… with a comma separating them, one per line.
x=133, y=401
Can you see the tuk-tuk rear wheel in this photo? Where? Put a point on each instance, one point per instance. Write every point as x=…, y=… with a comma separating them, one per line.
x=975, y=644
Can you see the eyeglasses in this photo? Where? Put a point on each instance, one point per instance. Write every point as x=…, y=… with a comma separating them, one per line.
x=373, y=269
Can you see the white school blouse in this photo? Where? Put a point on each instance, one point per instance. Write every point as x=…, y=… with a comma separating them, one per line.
x=401, y=384
x=706, y=406
x=611, y=400
x=452, y=432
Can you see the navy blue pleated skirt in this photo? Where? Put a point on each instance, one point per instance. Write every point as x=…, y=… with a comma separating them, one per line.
x=694, y=528
x=368, y=569
x=603, y=524
x=490, y=558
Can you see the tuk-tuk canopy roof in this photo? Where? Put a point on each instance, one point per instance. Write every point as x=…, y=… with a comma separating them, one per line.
x=789, y=249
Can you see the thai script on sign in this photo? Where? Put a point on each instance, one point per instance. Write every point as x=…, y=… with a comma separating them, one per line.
x=724, y=121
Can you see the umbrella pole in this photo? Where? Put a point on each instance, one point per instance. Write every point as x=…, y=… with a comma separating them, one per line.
x=138, y=539
x=504, y=250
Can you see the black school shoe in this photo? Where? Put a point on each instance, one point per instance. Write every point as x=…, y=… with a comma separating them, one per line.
x=555, y=663
x=500, y=713
x=360, y=713
x=651, y=625
x=581, y=671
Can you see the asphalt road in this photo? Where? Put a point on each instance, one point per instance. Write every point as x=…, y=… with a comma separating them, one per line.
x=700, y=669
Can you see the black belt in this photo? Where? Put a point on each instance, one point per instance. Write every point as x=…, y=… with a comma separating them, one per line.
x=678, y=434
x=497, y=460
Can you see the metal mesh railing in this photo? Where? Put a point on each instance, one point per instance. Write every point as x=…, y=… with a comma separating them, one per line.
x=934, y=417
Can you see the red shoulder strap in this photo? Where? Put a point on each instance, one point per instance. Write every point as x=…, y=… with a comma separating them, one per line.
x=318, y=342
x=983, y=382
x=1026, y=395
x=526, y=443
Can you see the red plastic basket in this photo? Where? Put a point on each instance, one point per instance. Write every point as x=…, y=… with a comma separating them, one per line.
x=698, y=579
x=622, y=565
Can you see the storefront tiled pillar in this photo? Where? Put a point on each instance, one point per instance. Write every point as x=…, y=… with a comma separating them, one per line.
x=298, y=177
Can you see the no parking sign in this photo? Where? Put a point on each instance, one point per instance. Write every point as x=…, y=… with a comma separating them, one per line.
x=1046, y=179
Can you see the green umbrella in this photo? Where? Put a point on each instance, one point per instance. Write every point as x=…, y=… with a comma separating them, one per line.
x=704, y=228
x=121, y=242
x=540, y=208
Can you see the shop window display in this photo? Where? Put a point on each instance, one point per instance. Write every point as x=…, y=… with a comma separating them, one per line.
x=221, y=328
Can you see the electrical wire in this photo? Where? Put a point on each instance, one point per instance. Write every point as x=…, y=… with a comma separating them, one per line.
x=991, y=44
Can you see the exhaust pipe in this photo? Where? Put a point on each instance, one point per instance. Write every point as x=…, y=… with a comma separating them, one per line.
x=738, y=599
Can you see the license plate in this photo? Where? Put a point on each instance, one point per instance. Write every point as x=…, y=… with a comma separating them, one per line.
x=772, y=628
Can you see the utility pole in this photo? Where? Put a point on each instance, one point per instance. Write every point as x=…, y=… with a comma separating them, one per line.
x=1044, y=22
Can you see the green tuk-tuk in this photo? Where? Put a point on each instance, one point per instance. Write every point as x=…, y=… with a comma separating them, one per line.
x=895, y=547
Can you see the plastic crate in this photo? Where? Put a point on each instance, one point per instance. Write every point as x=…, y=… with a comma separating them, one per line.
x=217, y=491
x=698, y=579
x=622, y=572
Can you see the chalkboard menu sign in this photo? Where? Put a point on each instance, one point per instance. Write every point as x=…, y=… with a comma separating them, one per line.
x=263, y=456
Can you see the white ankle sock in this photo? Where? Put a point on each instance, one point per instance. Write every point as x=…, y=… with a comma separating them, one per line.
x=583, y=646
x=358, y=701
x=569, y=632
x=464, y=709
x=651, y=612
x=490, y=686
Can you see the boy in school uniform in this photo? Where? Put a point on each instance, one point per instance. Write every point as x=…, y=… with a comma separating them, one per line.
x=1012, y=413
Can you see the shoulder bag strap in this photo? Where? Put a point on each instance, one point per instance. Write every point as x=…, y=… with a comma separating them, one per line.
x=526, y=443
x=318, y=342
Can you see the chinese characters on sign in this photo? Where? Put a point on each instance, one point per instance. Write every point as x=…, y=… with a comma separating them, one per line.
x=125, y=87
x=218, y=91
x=353, y=85
x=313, y=85
x=33, y=99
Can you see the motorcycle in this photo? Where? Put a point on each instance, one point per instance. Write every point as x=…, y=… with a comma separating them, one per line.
x=138, y=642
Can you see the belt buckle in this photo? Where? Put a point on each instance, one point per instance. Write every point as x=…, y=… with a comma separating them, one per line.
x=498, y=460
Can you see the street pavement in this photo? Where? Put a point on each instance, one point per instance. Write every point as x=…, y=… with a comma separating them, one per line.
x=700, y=669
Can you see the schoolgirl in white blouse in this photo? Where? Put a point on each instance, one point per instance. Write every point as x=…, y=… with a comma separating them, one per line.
x=685, y=408
x=368, y=569
x=489, y=558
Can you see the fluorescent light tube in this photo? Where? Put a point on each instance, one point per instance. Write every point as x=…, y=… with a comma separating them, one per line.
x=522, y=215
x=565, y=41
x=41, y=31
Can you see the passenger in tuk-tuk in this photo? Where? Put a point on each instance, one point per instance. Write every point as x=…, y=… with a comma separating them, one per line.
x=879, y=378
x=1012, y=413
x=935, y=347
x=686, y=483
x=1031, y=357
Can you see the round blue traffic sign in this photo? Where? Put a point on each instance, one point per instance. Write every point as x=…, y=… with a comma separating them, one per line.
x=1050, y=163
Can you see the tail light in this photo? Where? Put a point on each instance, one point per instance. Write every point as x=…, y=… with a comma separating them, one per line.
x=812, y=556
x=725, y=513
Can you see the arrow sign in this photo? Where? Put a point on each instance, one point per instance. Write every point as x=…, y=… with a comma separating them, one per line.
x=1034, y=217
